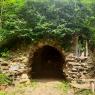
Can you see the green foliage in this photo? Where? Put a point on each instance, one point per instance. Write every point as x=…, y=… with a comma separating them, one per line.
x=84, y=92
x=60, y=19
x=5, y=53
x=64, y=86
x=4, y=79
x=2, y=93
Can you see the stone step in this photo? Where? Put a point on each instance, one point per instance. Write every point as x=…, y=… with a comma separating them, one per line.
x=71, y=59
x=70, y=56
x=5, y=68
x=70, y=72
x=77, y=66
x=74, y=63
x=74, y=70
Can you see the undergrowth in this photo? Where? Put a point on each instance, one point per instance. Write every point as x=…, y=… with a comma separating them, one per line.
x=5, y=53
x=63, y=86
x=5, y=80
x=84, y=92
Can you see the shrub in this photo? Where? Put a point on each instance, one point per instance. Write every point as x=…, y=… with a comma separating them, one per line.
x=5, y=80
x=84, y=92
x=5, y=53
x=2, y=93
x=64, y=86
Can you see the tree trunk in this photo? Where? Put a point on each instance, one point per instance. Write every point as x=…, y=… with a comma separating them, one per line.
x=2, y=3
x=77, y=48
x=86, y=49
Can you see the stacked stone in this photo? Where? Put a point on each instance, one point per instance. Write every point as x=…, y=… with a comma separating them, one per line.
x=91, y=67
x=78, y=68
x=14, y=68
x=18, y=67
x=4, y=66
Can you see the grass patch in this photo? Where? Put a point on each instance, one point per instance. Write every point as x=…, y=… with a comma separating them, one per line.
x=5, y=80
x=34, y=83
x=5, y=53
x=3, y=93
x=20, y=88
x=84, y=92
x=63, y=86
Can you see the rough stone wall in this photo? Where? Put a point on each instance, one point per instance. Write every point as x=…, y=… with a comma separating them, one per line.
x=81, y=68
x=38, y=45
x=15, y=68
x=75, y=68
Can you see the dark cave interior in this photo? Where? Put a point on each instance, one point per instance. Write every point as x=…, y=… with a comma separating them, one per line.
x=47, y=62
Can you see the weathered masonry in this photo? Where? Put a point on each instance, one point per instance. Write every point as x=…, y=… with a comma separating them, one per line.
x=50, y=58
x=47, y=59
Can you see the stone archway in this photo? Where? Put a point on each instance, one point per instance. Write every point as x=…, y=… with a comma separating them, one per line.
x=47, y=62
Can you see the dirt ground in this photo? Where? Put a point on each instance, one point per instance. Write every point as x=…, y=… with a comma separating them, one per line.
x=40, y=87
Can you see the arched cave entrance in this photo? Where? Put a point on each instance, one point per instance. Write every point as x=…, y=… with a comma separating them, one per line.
x=47, y=62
